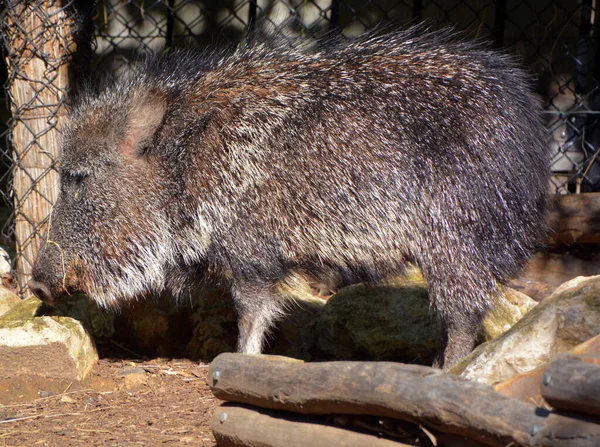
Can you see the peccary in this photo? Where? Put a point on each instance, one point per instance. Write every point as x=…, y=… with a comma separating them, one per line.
x=346, y=161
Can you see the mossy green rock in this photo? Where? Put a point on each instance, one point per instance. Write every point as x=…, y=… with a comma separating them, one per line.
x=24, y=310
x=387, y=322
x=393, y=321
x=50, y=346
x=570, y=316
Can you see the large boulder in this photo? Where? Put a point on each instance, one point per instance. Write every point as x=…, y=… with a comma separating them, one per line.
x=393, y=321
x=386, y=322
x=570, y=316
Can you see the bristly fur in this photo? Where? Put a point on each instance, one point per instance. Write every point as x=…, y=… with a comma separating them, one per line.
x=345, y=161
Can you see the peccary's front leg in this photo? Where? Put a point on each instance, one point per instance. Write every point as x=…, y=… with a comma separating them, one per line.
x=258, y=307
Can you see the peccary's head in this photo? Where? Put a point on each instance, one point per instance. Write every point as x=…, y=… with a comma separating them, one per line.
x=108, y=233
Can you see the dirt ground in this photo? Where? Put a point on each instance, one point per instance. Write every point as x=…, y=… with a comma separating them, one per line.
x=125, y=400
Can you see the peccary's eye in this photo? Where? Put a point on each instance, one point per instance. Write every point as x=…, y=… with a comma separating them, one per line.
x=76, y=183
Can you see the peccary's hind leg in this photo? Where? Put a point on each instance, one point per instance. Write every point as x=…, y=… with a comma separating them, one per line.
x=460, y=300
x=459, y=336
x=258, y=307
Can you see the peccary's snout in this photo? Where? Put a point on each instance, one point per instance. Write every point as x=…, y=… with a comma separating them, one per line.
x=41, y=290
x=48, y=280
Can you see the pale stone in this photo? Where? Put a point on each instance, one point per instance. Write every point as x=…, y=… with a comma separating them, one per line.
x=509, y=307
x=570, y=316
x=8, y=300
x=527, y=386
x=54, y=347
x=134, y=381
x=5, y=264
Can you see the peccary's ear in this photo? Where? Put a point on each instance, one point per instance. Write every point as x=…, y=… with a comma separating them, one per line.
x=146, y=113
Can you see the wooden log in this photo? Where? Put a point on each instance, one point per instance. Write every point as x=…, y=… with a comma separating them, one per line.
x=235, y=425
x=40, y=43
x=572, y=383
x=561, y=430
x=409, y=392
x=574, y=219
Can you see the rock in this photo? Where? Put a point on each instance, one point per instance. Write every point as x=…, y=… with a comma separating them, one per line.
x=134, y=377
x=527, y=386
x=127, y=370
x=5, y=262
x=571, y=315
x=393, y=321
x=508, y=308
x=134, y=381
x=47, y=346
x=7, y=300
x=98, y=321
x=387, y=322
x=46, y=394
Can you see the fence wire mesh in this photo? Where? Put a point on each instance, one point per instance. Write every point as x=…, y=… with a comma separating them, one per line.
x=49, y=45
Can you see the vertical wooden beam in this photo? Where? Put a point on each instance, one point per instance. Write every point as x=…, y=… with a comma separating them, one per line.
x=38, y=37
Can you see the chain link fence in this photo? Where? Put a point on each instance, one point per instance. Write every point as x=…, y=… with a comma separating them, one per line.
x=50, y=45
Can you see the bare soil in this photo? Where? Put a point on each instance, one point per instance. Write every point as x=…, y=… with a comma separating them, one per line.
x=125, y=400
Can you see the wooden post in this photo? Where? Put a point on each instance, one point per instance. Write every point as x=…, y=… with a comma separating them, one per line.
x=39, y=42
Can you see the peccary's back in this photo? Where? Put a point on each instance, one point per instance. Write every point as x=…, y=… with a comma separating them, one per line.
x=387, y=149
